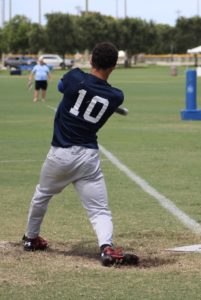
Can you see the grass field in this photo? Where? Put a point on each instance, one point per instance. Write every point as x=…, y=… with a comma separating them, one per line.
x=151, y=141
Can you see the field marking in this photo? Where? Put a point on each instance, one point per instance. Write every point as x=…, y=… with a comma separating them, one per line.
x=163, y=201
x=51, y=107
x=191, y=248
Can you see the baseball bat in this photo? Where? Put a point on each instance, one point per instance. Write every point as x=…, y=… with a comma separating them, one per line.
x=30, y=85
x=122, y=111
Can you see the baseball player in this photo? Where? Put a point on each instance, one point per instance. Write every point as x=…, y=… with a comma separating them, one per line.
x=88, y=101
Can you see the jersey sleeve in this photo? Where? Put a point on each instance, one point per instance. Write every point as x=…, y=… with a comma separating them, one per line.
x=60, y=86
x=119, y=97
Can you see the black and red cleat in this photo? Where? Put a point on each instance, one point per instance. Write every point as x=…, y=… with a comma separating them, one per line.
x=34, y=244
x=115, y=256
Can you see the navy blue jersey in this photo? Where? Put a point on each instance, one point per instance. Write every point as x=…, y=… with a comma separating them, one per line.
x=87, y=103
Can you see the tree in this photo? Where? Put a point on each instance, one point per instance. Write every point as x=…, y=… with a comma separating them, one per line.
x=132, y=37
x=66, y=33
x=150, y=37
x=188, y=33
x=165, y=39
x=60, y=31
x=1, y=41
x=37, y=38
x=94, y=28
x=15, y=35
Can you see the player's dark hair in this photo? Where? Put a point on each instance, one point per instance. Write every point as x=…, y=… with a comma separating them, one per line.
x=104, y=56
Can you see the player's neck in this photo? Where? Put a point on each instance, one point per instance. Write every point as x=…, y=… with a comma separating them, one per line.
x=102, y=74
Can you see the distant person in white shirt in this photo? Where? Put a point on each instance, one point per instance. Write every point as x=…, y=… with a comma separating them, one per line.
x=41, y=74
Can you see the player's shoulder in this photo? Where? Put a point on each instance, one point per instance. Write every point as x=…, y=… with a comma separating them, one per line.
x=75, y=73
x=118, y=93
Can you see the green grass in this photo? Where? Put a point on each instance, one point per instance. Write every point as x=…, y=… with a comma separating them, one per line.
x=154, y=143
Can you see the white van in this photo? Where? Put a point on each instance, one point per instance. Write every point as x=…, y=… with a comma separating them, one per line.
x=56, y=61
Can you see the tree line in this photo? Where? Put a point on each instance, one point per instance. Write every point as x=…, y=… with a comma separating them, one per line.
x=65, y=33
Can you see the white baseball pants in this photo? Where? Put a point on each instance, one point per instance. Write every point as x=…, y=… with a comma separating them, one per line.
x=81, y=167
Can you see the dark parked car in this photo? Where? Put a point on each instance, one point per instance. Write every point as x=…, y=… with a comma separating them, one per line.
x=18, y=61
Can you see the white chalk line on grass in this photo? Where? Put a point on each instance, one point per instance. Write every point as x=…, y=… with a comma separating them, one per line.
x=163, y=201
x=52, y=108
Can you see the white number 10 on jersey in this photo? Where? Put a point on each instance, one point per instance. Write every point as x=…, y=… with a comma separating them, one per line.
x=88, y=112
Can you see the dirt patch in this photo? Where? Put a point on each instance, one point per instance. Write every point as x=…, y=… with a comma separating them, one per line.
x=76, y=254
